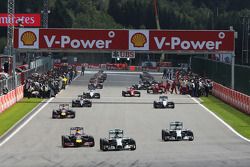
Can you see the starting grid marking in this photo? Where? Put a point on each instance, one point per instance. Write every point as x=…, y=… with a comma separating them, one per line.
x=119, y=72
x=135, y=98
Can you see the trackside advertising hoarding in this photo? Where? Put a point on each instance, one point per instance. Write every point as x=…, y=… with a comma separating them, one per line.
x=28, y=20
x=180, y=41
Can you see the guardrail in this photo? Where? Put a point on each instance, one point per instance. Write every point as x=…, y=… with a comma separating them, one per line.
x=11, y=98
x=232, y=97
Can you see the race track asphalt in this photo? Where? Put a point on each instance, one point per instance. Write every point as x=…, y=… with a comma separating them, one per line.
x=38, y=144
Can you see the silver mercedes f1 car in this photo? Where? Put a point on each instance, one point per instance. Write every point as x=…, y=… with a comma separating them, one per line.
x=163, y=103
x=177, y=133
x=116, y=141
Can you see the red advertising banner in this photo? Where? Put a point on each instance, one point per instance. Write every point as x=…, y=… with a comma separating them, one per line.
x=72, y=39
x=195, y=41
x=28, y=20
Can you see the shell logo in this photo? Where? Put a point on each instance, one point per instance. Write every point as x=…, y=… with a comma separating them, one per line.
x=28, y=38
x=138, y=40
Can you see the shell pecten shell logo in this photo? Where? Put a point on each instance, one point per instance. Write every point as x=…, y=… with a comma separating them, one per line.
x=138, y=40
x=28, y=38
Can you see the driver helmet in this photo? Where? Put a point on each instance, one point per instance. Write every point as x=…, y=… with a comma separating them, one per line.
x=78, y=131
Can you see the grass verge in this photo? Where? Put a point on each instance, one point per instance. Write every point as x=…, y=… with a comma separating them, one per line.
x=13, y=114
x=236, y=119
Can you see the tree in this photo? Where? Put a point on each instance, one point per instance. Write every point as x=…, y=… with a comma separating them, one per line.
x=60, y=17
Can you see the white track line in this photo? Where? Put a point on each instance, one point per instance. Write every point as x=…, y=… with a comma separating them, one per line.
x=26, y=122
x=119, y=97
x=120, y=72
x=222, y=121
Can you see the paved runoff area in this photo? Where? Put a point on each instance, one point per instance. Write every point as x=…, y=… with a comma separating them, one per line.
x=38, y=143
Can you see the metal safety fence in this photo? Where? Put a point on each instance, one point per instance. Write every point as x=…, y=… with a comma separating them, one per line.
x=41, y=66
x=9, y=84
x=221, y=73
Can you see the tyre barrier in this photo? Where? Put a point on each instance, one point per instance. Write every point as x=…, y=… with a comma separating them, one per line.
x=232, y=97
x=11, y=98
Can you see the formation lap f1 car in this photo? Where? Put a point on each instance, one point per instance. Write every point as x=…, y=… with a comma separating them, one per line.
x=81, y=102
x=177, y=133
x=155, y=89
x=131, y=92
x=63, y=112
x=117, y=141
x=77, y=138
x=95, y=85
x=91, y=95
x=163, y=103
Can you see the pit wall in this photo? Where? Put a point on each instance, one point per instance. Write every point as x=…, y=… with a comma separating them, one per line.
x=11, y=98
x=232, y=97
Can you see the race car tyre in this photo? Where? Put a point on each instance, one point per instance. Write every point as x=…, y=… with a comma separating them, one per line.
x=170, y=105
x=191, y=138
x=155, y=106
x=63, y=142
x=101, y=145
x=92, y=145
x=173, y=106
x=137, y=93
x=133, y=143
x=133, y=147
x=164, y=136
x=53, y=115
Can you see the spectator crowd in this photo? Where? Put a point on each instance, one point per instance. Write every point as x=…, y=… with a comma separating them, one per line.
x=48, y=84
